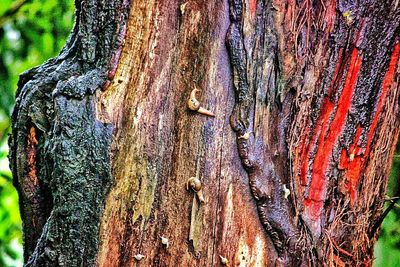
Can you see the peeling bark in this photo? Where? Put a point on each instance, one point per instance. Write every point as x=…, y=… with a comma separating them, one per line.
x=293, y=167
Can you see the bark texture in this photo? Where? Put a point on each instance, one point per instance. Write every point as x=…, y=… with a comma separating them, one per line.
x=294, y=165
x=315, y=85
x=59, y=152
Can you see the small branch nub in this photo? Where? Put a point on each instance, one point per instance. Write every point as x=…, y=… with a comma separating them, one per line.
x=194, y=104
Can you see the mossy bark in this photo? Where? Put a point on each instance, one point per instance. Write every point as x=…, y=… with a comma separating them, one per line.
x=293, y=167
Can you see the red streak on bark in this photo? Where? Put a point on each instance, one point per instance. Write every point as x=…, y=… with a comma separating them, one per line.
x=328, y=136
x=32, y=180
x=253, y=7
x=304, y=147
x=354, y=161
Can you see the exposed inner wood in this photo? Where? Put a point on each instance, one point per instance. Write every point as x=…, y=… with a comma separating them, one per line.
x=159, y=144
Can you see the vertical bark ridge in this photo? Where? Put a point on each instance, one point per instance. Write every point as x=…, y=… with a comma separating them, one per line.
x=261, y=112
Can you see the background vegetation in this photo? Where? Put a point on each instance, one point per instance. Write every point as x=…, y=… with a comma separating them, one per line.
x=32, y=31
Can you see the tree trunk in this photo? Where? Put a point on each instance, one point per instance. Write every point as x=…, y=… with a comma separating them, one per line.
x=293, y=166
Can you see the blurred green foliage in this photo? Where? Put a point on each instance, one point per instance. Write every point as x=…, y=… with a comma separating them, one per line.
x=387, y=249
x=31, y=31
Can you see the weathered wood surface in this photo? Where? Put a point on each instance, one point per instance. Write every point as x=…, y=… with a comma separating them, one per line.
x=313, y=84
x=159, y=144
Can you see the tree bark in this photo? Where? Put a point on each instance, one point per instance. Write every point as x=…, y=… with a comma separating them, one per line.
x=293, y=166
